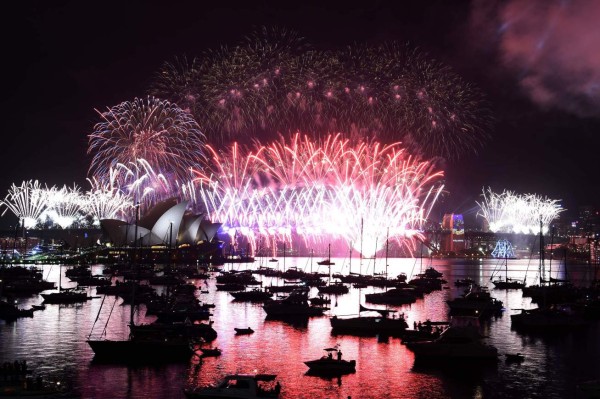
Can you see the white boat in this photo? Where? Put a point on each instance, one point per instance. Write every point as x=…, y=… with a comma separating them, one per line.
x=240, y=386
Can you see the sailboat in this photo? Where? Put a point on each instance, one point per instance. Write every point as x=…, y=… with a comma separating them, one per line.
x=508, y=283
x=65, y=295
x=546, y=318
x=327, y=262
x=140, y=348
x=370, y=325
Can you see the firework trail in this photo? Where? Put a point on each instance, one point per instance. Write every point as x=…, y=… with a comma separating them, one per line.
x=159, y=132
x=27, y=201
x=273, y=82
x=320, y=190
x=508, y=212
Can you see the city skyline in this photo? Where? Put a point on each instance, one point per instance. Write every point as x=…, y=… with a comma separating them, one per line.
x=69, y=61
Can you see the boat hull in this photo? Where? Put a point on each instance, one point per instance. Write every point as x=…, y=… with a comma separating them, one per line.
x=140, y=351
x=431, y=350
x=331, y=366
x=369, y=325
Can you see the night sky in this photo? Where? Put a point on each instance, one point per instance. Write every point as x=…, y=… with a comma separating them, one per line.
x=536, y=61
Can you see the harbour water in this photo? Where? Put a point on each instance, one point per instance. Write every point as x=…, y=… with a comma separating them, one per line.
x=54, y=342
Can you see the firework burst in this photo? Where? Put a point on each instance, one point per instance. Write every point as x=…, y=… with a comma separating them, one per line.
x=105, y=201
x=158, y=131
x=273, y=82
x=319, y=190
x=508, y=212
x=64, y=206
x=27, y=202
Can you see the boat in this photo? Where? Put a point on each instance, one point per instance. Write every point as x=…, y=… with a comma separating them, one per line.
x=239, y=386
x=187, y=329
x=508, y=283
x=320, y=300
x=327, y=262
x=465, y=282
x=296, y=304
x=210, y=352
x=243, y=331
x=333, y=288
x=514, y=357
x=395, y=296
x=331, y=363
x=10, y=312
x=548, y=319
x=150, y=348
x=254, y=295
x=475, y=302
x=65, y=295
x=427, y=331
x=461, y=341
x=382, y=324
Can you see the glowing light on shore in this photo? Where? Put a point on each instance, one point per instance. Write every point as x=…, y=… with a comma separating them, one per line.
x=508, y=212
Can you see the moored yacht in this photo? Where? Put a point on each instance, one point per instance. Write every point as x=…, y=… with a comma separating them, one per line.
x=460, y=341
x=381, y=324
x=296, y=304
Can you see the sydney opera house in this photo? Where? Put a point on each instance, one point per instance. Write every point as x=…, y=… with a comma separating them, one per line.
x=166, y=225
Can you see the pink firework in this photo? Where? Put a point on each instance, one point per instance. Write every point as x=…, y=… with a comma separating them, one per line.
x=322, y=190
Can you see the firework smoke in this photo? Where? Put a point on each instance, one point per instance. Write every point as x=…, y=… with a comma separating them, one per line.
x=550, y=46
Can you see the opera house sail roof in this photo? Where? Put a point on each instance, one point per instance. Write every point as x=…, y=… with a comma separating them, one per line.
x=167, y=223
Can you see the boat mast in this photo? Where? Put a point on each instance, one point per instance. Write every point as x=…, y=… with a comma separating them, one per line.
x=133, y=263
x=387, y=244
x=350, y=260
x=551, y=253
x=361, y=249
x=375, y=257
x=542, y=269
x=506, y=265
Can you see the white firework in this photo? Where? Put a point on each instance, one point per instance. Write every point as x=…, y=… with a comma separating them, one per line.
x=27, y=202
x=508, y=212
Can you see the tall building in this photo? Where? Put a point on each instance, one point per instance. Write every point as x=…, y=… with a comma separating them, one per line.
x=453, y=224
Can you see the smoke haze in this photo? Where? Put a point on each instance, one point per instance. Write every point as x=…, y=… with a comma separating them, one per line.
x=550, y=46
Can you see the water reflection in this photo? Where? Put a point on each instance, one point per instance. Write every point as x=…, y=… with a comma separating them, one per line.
x=54, y=342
